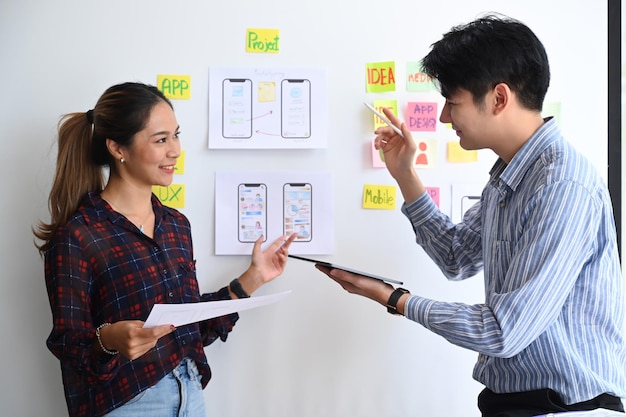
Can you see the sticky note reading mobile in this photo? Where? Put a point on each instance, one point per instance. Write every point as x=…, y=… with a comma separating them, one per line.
x=383, y=118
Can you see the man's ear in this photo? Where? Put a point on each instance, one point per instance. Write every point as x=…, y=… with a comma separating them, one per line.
x=502, y=96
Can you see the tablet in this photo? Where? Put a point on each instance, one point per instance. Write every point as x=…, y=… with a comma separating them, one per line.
x=345, y=268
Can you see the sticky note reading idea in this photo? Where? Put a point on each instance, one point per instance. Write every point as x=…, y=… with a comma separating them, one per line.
x=381, y=77
x=263, y=41
x=382, y=197
x=175, y=86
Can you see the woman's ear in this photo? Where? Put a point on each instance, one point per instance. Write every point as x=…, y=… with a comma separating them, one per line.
x=115, y=149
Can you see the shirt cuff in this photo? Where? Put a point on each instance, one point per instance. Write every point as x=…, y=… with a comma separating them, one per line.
x=419, y=210
x=417, y=309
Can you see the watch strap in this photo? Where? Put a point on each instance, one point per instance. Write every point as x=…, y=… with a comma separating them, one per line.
x=237, y=289
x=392, y=304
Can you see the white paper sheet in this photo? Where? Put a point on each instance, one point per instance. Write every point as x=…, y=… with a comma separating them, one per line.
x=181, y=314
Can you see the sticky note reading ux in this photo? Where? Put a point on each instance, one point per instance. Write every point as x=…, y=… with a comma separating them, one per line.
x=172, y=196
x=382, y=197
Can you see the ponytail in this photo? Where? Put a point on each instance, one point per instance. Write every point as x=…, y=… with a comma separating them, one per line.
x=76, y=174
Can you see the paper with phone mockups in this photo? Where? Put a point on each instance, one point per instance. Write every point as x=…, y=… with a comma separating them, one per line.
x=186, y=313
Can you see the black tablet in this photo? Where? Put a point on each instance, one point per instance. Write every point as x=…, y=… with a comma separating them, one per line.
x=345, y=268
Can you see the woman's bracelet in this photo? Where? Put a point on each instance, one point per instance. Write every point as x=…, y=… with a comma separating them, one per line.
x=105, y=350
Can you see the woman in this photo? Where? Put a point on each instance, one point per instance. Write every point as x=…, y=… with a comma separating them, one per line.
x=112, y=251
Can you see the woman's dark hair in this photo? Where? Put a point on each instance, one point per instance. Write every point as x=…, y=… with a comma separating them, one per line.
x=491, y=50
x=121, y=112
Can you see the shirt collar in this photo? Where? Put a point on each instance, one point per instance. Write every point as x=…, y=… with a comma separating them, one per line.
x=511, y=174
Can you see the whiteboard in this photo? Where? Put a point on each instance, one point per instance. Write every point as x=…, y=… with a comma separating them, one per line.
x=319, y=352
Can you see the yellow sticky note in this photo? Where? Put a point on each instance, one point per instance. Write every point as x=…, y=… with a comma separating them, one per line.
x=458, y=154
x=263, y=41
x=179, y=168
x=175, y=86
x=172, y=196
x=379, y=105
x=382, y=197
x=381, y=77
x=267, y=91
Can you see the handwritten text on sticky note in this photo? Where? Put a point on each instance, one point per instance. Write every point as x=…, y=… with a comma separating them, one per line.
x=172, y=196
x=175, y=86
x=381, y=77
x=382, y=197
x=421, y=117
x=416, y=80
x=263, y=41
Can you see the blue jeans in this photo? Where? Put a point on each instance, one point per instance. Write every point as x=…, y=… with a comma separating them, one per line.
x=178, y=394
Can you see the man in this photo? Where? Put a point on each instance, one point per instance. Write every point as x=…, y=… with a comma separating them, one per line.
x=549, y=334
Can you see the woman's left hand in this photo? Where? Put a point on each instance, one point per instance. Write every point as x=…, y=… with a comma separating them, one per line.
x=267, y=263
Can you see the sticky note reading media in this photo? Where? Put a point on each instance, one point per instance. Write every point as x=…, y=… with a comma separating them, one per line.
x=382, y=197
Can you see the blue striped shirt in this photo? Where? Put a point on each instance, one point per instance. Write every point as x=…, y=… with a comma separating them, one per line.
x=543, y=233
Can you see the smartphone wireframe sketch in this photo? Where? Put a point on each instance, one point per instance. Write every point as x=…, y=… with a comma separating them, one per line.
x=237, y=108
x=252, y=209
x=468, y=201
x=298, y=210
x=295, y=112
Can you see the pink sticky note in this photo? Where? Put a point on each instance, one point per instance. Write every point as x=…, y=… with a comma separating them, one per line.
x=421, y=117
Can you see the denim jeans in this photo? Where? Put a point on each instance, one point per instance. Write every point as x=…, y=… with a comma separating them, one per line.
x=178, y=394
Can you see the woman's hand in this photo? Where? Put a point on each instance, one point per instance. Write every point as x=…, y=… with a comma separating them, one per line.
x=130, y=339
x=266, y=264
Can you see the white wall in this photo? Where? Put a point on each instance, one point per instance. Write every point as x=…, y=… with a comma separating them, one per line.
x=321, y=352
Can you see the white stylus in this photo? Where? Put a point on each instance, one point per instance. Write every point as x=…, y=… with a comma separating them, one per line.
x=383, y=118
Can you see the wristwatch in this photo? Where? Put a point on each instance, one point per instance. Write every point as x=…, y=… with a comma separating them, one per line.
x=237, y=289
x=392, y=304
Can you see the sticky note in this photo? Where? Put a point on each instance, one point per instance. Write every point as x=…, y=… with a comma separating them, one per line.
x=380, y=105
x=426, y=156
x=172, y=196
x=263, y=41
x=458, y=154
x=176, y=87
x=267, y=91
x=378, y=156
x=179, y=168
x=380, y=77
x=421, y=116
x=416, y=80
x=382, y=197
x=434, y=194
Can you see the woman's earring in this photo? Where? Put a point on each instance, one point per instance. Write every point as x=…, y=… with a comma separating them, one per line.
x=122, y=160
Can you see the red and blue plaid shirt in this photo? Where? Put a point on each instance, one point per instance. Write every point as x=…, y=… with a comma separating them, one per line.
x=100, y=268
